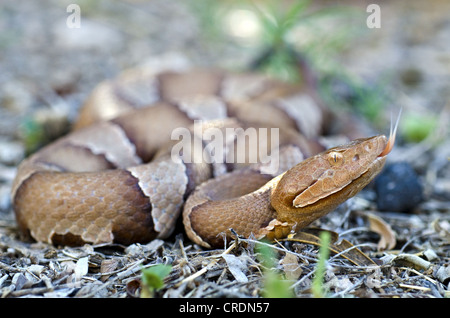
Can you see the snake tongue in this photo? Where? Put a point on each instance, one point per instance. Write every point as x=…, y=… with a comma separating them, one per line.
x=392, y=134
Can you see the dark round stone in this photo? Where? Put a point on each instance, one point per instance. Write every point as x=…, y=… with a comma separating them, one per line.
x=398, y=188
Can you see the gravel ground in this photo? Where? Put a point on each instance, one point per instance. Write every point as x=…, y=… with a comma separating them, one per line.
x=48, y=69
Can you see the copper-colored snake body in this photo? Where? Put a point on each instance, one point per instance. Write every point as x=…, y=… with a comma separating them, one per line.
x=115, y=179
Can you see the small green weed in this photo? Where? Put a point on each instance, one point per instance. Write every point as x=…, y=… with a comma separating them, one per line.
x=275, y=285
x=416, y=127
x=318, y=290
x=153, y=279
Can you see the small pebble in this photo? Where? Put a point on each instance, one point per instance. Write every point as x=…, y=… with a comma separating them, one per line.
x=11, y=152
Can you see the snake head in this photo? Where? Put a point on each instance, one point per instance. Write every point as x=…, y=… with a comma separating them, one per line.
x=340, y=167
x=317, y=185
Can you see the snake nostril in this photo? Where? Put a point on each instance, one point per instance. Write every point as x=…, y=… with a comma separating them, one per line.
x=355, y=158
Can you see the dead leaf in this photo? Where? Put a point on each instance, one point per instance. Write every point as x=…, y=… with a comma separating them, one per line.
x=353, y=254
x=108, y=266
x=387, y=235
x=290, y=266
x=133, y=288
x=236, y=267
x=81, y=268
x=348, y=250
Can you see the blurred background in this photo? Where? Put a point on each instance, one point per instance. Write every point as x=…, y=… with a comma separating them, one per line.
x=54, y=52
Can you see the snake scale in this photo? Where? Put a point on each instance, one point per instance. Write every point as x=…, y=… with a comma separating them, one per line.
x=115, y=177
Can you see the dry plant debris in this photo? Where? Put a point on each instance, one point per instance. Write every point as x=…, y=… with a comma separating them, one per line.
x=417, y=267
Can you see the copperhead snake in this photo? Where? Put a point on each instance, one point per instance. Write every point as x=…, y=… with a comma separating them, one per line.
x=114, y=179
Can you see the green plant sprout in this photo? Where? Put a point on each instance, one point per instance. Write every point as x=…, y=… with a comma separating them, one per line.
x=153, y=279
x=317, y=287
x=416, y=127
x=275, y=285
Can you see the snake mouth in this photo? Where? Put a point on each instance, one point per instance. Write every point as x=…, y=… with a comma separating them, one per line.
x=378, y=162
x=375, y=167
x=389, y=146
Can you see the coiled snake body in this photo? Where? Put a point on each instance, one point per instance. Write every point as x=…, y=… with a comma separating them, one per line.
x=115, y=177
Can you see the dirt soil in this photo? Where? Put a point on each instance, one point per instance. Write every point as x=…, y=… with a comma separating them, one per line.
x=48, y=69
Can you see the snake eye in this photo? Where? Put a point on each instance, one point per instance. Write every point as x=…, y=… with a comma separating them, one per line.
x=335, y=158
